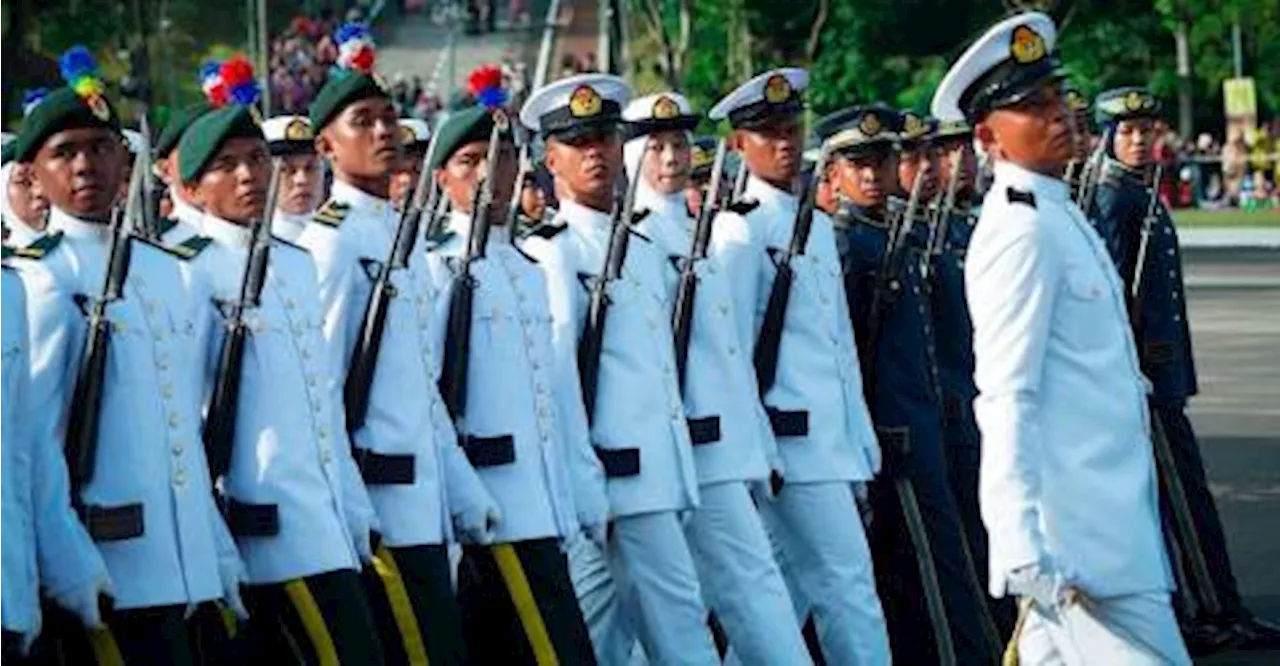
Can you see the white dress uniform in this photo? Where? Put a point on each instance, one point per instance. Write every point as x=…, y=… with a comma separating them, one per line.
x=406, y=418
x=289, y=135
x=19, y=584
x=151, y=476
x=186, y=221
x=1067, y=483
x=294, y=499
x=544, y=474
x=289, y=226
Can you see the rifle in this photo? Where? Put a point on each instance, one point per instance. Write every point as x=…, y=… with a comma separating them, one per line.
x=453, y=377
x=148, y=227
x=688, y=287
x=739, y=181
x=941, y=220
x=86, y=399
x=224, y=404
x=364, y=358
x=513, y=209
x=765, y=354
x=592, y=342
x=1090, y=173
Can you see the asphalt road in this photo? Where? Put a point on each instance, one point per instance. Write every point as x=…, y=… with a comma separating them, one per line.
x=1233, y=304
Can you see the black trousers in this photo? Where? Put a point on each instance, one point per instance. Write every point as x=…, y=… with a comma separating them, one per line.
x=1204, y=512
x=321, y=619
x=518, y=605
x=411, y=596
x=964, y=472
x=160, y=635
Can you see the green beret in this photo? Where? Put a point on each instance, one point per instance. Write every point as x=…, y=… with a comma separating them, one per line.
x=62, y=109
x=461, y=128
x=6, y=153
x=344, y=88
x=201, y=142
x=1125, y=104
x=178, y=124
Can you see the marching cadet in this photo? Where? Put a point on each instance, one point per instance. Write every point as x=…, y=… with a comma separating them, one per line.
x=517, y=599
x=419, y=480
x=22, y=207
x=182, y=220
x=702, y=154
x=729, y=429
x=143, y=490
x=892, y=306
x=1059, y=383
x=414, y=136
x=299, y=512
x=638, y=429
x=816, y=407
x=291, y=141
x=1124, y=197
x=1079, y=107
x=913, y=152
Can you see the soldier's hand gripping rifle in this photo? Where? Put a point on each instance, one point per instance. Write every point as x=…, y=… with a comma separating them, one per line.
x=453, y=376
x=364, y=358
x=768, y=341
x=220, y=422
x=688, y=286
x=592, y=342
x=81, y=445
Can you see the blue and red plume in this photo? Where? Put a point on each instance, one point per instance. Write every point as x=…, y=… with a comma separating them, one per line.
x=355, y=47
x=81, y=72
x=237, y=76
x=215, y=90
x=485, y=85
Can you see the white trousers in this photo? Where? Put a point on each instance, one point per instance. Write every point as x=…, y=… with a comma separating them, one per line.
x=823, y=552
x=740, y=579
x=1134, y=630
x=644, y=587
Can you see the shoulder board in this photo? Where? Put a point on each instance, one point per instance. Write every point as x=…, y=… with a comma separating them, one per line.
x=548, y=230
x=1020, y=196
x=332, y=213
x=524, y=254
x=439, y=239
x=39, y=247
x=743, y=207
x=288, y=243
x=8, y=252
x=639, y=235
x=165, y=224
x=187, y=249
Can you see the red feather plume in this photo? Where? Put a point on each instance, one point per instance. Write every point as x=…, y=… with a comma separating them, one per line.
x=484, y=78
x=236, y=71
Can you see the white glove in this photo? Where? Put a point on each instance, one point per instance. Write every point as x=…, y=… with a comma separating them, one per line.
x=476, y=524
x=82, y=600
x=598, y=533
x=232, y=573
x=1043, y=581
x=362, y=539
x=862, y=497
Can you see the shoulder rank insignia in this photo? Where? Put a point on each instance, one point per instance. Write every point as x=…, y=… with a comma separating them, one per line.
x=8, y=252
x=188, y=249
x=1021, y=196
x=439, y=239
x=548, y=230
x=40, y=247
x=743, y=206
x=165, y=224
x=332, y=213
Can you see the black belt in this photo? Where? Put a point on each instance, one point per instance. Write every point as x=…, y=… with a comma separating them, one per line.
x=489, y=451
x=252, y=520
x=378, y=469
x=114, y=523
x=1158, y=352
x=788, y=423
x=619, y=462
x=705, y=430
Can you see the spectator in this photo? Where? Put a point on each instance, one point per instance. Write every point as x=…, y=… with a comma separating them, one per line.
x=1234, y=165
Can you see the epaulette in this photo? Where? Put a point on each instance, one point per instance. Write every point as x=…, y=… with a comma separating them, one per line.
x=439, y=239
x=1020, y=196
x=639, y=235
x=288, y=243
x=165, y=224
x=548, y=230
x=187, y=249
x=524, y=254
x=743, y=206
x=8, y=252
x=332, y=213
x=39, y=247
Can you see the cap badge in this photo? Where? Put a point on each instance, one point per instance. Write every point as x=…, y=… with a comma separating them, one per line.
x=1134, y=101
x=407, y=137
x=99, y=107
x=585, y=102
x=1026, y=45
x=912, y=124
x=297, y=130
x=870, y=125
x=700, y=157
x=777, y=89
x=1075, y=101
x=665, y=108
x=501, y=120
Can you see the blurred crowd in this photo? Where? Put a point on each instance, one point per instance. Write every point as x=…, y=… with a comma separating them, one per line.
x=1206, y=172
x=300, y=60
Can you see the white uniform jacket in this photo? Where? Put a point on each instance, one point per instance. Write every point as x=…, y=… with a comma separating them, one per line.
x=19, y=585
x=816, y=403
x=289, y=226
x=1067, y=468
x=639, y=430
x=292, y=483
x=412, y=465
x=727, y=424
x=522, y=448
x=149, y=458
x=18, y=234
x=185, y=223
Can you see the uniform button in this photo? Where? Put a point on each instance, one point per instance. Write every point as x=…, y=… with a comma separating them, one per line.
x=1176, y=295
x=323, y=433
x=1177, y=317
x=177, y=449
x=326, y=456
x=152, y=305
x=180, y=477
x=724, y=309
x=290, y=304
x=311, y=381
x=1173, y=273
x=1169, y=252
x=157, y=333
x=167, y=390
x=174, y=421
x=733, y=351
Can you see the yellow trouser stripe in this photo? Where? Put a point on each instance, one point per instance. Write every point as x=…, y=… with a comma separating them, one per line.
x=401, y=609
x=105, y=650
x=312, y=621
x=229, y=619
x=526, y=606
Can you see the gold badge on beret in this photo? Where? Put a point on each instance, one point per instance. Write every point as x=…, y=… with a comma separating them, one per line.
x=1026, y=45
x=665, y=108
x=1134, y=101
x=700, y=157
x=501, y=120
x=407, y=137
x=777, y=89
x=585, y=102
x=99, y=107
x=1075, y=101
x=870, y=125
x=912, y=124
x=298, y=130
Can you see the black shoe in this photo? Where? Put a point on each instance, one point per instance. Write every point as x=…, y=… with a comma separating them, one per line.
x=1204, y=638
x=1251, y=633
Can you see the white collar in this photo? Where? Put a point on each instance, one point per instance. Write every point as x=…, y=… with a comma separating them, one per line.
x=761, y=191
x=294, y=219
x=183, y=211
x=668, y=206
x=588, y=218
x=460, y=224
x=225, y=232
x=75, y=227
x=1012, y=175
x=360, y=200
